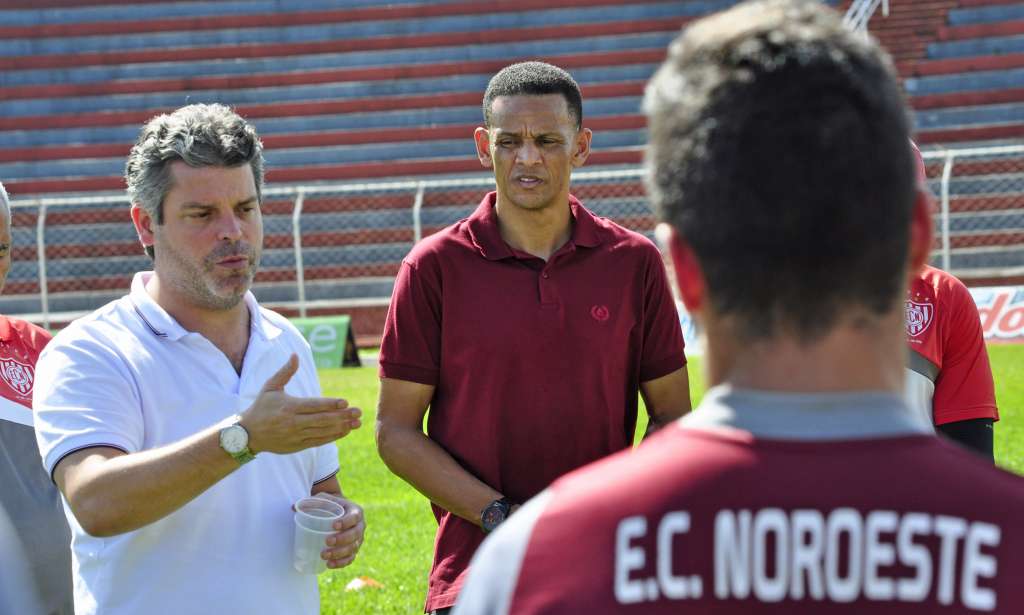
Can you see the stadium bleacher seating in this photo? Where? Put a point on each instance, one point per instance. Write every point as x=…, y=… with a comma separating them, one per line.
x=963, y=68
x=366, y=90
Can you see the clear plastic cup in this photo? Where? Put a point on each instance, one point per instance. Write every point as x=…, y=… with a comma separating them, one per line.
x=314, y=522
x=319, y=513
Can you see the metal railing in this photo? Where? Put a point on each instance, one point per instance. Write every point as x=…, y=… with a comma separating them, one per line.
x=338, y=246
x=861, y=11
x=330, y=245
x=981, y=211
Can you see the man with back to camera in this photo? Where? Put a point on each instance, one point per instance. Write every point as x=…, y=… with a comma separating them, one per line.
x=527, y=328
x=949, y=379
x=802, y=483
x=182, y=421
x=28, y=499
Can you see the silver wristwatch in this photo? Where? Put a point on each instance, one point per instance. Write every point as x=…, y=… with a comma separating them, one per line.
x=234, y=439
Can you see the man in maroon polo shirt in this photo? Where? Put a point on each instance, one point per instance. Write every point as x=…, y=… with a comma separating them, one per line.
x=528, y=329
x=803, y=483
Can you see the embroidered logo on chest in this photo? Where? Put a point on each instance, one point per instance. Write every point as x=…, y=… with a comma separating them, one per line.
x=919, y=317
x=17, y=375
x=600, y=313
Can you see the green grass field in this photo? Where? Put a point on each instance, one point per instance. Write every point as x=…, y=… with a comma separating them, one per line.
x=400, y=527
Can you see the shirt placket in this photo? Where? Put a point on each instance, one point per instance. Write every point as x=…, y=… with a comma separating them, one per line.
x=546, y=288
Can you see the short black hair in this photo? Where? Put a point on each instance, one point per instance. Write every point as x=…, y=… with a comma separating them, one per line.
x=534, y=79
x=779, y=151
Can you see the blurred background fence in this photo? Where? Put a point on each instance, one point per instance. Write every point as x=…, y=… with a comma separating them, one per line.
x=327, y=248
x=980, y=226
x=337, y=248
x=377, y=91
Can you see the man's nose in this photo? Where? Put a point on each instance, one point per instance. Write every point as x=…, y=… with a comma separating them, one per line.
x=528, y=153
x=230, y=228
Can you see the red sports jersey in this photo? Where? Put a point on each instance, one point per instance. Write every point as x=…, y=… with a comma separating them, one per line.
x=950, y=378
x=20, y=345
x=844, y=505
x=29, y=500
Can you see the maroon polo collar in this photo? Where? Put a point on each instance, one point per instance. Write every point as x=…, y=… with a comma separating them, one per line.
x=483, y=228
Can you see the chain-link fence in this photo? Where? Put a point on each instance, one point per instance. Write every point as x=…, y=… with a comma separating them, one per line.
x=335, y=248
x=980, y=222
x=331, y=247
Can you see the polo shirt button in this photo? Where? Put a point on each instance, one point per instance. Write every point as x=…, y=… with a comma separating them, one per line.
x=546, y=275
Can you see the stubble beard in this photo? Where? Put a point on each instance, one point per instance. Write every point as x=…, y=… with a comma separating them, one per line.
x=197, y=282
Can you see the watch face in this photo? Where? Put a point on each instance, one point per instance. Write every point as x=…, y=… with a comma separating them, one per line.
x=234, y=439
x=493, y=516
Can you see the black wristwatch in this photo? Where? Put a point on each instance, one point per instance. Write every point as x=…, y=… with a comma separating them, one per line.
x=494, y=514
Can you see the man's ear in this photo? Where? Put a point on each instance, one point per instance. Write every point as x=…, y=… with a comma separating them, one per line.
x=482, y=138
x=581, y=148
x=922, y=233
x=143, y=225
x=689, y=276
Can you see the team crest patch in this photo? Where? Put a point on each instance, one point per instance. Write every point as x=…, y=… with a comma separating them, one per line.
x=919, y=316
x=17, y=375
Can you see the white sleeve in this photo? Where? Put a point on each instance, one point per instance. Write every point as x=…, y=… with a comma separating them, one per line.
x=84, y=396
x=494, y=570
x=326, y=464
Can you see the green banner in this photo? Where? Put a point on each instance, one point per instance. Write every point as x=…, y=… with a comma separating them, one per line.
x=331, y=339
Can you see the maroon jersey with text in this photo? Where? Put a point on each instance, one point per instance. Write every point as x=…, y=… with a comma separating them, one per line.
x=740, y=510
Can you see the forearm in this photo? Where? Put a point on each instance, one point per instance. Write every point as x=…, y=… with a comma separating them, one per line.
x=421, y=462
x=666, y=398
x=973, y=434
x=111, y=492
x=658, y=418
x=653, y=425
x=122, y=493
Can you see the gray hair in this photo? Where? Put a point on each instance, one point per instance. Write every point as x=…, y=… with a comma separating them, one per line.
x=198, y=135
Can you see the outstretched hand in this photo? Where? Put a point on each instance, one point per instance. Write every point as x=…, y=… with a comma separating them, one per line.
x=280, y=423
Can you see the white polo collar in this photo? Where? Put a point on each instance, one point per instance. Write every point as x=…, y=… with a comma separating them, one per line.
x=163, y=325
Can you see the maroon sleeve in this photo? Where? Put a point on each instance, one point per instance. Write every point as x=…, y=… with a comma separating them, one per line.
x=411, y=347
x=662, y=351
x=964, y=389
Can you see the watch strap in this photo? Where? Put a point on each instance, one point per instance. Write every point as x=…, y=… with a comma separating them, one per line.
x=243, y=456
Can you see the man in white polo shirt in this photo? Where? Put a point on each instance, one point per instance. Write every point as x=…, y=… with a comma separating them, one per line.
x=181, y=421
